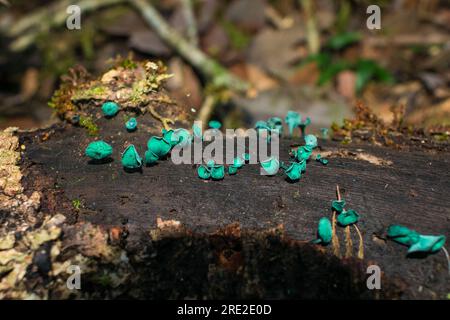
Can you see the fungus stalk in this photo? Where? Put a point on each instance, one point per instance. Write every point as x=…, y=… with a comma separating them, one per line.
x=335, y=239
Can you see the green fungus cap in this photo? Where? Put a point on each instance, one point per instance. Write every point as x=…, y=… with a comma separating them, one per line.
x=238, y=163
x=197, y=131
x=324, y=230
x=130, y=158
x=275, y=124
x=270, y=166
x=159, y=146
x=338, y=205
x=181, y=136
x=292, y=119
x=98, y=150
x=346, y=218
x=150, y=157
x=403, y=235
x=232, y=170
x=131, y=124
x=428, y=244
x=303, y=153
x=261, y=125
x=218, y=172
x=214, y=124
x=294, y=171
x=204, y=172
x=311, y=141
x=110, y=108
x=246, y=156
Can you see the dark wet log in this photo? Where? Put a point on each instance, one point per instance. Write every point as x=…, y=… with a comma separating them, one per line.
x=244, y=236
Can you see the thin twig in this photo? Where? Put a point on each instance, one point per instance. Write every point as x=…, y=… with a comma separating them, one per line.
x=334, y=238
x=207, y=109
x=165, y=121
x=312, y=30
x=216, y=73
x=361, y=243
x=448, y=258
x=189, y=16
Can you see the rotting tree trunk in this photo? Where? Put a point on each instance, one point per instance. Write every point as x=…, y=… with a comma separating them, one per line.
x=164, y=233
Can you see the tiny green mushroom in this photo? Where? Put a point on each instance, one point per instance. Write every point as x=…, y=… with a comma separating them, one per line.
x=294, y=171
x=324, y=132
x=110, y=109
x=131, y=124
x=217, y=172
x=346, y=218
x=204, y=172
x=131, y=158
x=303, y=124
x=403, y=235
x=158, y=146
x=196, y=131
x=214, y=124
x=324, y=231
x=303, y=153
x=232, y=170
x=181, y=136
x=150, y=158
x=246, y=157
x=238, y=162
x=270, y=165
x=292, y=119
x=262, y=126
x=98, y=150
x=338, y=205
x=321, y=160
x=275, y=124
x=427, y=243
x=311, y=141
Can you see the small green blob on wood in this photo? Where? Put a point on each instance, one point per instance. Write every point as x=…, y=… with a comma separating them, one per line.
x=428, y=244
x=203, y=172
x=98, y=150
x=338, y=205
x=110, y=109
x=150, y=158
x=232, y=170
x=347, y=218
x=214, y=124
x=311, y=141
x=131, y=124
x=131, y=158
x=217, y=172
x=403, y=235
x=294, y=171
x=159, y=146
x=270, y=166
x=324, y=231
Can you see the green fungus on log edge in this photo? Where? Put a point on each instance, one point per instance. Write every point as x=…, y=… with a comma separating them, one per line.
x=324, y=231
x=131, y=158
x=98, y=150
x=414, y=240
x=110, y=109
x=131, y=124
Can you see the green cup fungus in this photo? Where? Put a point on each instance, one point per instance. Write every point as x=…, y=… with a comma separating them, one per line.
x=131, y=124
x=98, y=150
x=131, y=158
x=303, y=124
x=270, y=166
x=292, y=120
x=414, y=240
x=214, y=124
x=311, y=141
x=321, y=160
x=324, y=231
x=338, y=205
x=346, y=218
x=110, y=109
x=211, y=170
x=159, y=146
x=294, y=171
